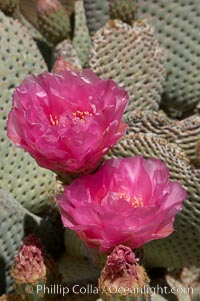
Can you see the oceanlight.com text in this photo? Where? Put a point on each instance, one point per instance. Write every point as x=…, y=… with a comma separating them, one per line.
x=89, y=289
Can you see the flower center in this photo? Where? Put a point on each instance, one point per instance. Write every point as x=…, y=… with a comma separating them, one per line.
x=81, y=115
x=53, y=120
x=134, y=200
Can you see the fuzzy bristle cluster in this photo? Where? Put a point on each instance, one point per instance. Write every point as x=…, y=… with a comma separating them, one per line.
x=124, y=10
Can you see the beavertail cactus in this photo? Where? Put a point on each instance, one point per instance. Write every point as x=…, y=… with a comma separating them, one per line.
x=68, y=52
x=176, y=26
x=198, y=153
x=53, y=20
x=81, y=40
x=19, y=174
x=8, y=6
x=33, y=267
x=185, y=133
x=132, y=57
x=124, y=10
x=122, y=278
x=16, y=222
x=97, y=14
x=150, y=49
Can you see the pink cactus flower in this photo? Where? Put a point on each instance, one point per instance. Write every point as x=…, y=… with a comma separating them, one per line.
x=67, y=121
x=127, y=201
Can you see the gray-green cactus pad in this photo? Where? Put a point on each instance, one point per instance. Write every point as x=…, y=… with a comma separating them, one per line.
x=176, y=26
x=16, y=222
x=131, y=56
x=81, y=40
x=185, y=133
x=74, y=246
x=97, y=14
x=29, y=184
x=182, y=247
x=67, y=51
x=77, y=271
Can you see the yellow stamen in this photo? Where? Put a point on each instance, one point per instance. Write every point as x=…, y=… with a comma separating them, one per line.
x=135, y=201
x=53, y=120
x=81, y=115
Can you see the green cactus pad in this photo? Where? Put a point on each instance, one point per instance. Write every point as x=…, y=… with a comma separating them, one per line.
x=97, y=14
x=54, y=22
x=8, y=6
x=74, y=246
x=33, y=31
x=176, y=26
x=182, y=247
x=44, y=46
x=132, y=57
x=20, y=175
x=16, y=222
x=185, y=133
x=77, y=271
x=67, y=51
x=81, y=40
x=124, y=10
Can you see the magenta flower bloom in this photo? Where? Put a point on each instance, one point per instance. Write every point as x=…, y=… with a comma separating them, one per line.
x=67, y=121
x=127, y=201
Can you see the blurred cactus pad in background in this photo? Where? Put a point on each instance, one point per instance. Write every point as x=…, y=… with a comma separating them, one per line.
x=150, y=48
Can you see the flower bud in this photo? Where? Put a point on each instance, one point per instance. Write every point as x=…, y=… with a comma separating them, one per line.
x=33, y=267
x=122, y=277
